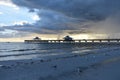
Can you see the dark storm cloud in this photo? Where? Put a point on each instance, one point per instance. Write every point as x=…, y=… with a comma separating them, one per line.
x=89, y=9
x=77, y=16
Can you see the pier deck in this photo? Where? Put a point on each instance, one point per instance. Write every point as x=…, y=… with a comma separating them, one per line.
x=75, y=41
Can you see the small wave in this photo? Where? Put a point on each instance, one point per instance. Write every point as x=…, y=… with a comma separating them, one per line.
x=48, y=52
x=19, y=50
x=22, y=50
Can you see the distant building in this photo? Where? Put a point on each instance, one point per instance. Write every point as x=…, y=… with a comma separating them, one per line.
x=68, y=38
x=36, y=38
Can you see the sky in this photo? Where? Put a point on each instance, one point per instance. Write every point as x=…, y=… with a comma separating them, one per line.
x=53, y=19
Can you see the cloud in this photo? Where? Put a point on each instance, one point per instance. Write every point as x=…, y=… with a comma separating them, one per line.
x=8, y=3
x=8, y=33
x=71, y=16
x=89, y=9
x=35, y=17
x=1, y=13
x=20, y=23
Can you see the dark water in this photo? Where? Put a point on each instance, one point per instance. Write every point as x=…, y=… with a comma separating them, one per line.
x=21, y=51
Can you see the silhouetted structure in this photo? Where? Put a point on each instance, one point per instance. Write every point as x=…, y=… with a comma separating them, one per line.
x=36, y=38
x=68, y=38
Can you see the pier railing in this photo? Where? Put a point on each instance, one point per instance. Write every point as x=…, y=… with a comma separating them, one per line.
x=75, y=41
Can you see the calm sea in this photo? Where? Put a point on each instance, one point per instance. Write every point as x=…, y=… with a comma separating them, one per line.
x=25, y=51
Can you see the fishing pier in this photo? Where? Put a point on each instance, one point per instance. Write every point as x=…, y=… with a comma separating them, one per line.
x=76, y=41
x=68, y=39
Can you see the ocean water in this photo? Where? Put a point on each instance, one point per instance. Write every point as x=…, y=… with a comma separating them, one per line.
x=25, y=51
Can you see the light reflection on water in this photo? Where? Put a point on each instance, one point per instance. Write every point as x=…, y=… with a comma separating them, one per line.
x=21, y=51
